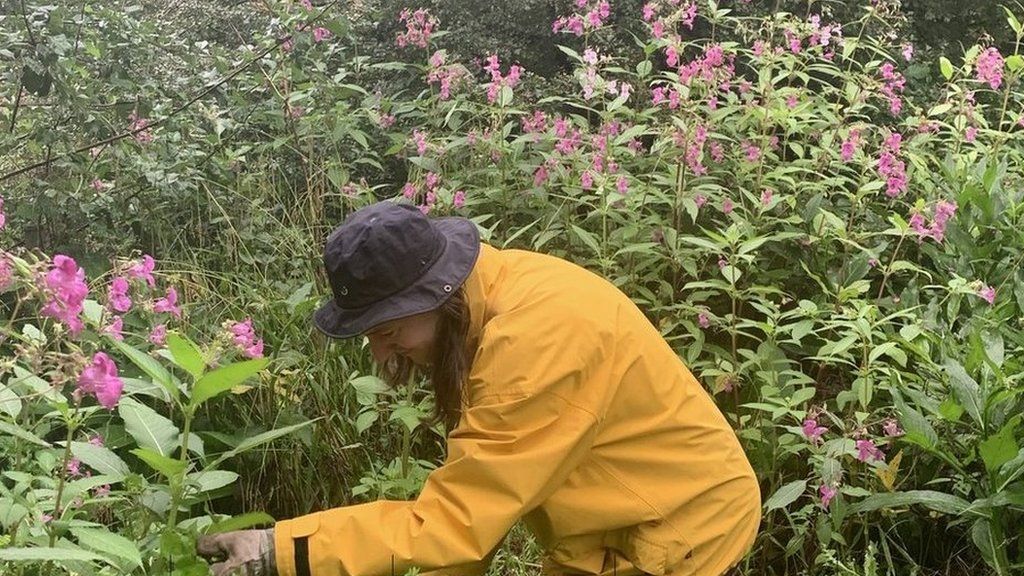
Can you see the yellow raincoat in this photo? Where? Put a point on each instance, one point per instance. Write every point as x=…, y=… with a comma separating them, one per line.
x=582, y=421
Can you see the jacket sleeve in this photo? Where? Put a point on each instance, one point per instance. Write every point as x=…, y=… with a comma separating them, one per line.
x=519, y=440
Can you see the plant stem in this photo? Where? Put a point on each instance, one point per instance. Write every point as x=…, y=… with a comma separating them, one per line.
x=885, y=275
x=178, y=484
x=63, y=473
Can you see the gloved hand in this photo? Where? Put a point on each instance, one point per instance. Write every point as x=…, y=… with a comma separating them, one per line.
x=246, y=552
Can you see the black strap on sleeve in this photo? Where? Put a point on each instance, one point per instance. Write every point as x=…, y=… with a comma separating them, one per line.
x=302, y=557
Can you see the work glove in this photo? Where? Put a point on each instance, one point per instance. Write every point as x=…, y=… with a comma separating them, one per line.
x=244, y=552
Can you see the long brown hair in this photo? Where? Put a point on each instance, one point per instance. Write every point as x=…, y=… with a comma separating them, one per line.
x=450, y=367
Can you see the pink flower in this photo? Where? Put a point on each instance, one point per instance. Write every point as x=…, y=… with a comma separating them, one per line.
x=307, y=4
x=244, y=338
x=144, y=270
x=100, y=379
x=703, y=320
x=459, y=199
x=74, y=467
x=590, y=56
x=753, y=152
x=622, y=185
x=722, y=262
x=649, y=11
x=942, y=214
x=3, y=217
x=827, y=493
x=115, y=328
x=892, y=428
x=766, y=196
x=117, y=293
x=101, y=491
x=891, y=167
x=420, y=139
x=792, y=100
x=987, y=293
x=849, y=146
x=409, y=190
x=990, y=67
x=386, y=121
x=759, y=47
x=96, y=440
x=727, y=206
x=908, y=52
x=970, y=134
x=586, y=180
x=812, y=431
x=917, y=224
x=431, y=180
x=540, y=176
x=168, y=303
x=66, y=291
x=6, y=272
x=866, y=450
x=700, y=200
x=320, y=34
x=98, y=185
x=158, y=335
x=419, y=26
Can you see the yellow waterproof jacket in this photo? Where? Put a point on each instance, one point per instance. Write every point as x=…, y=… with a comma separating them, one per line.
x=581, y=420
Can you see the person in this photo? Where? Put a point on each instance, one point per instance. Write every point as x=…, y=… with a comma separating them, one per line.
x=565, y=408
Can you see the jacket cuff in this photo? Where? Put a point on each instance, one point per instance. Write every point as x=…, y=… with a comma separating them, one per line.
x=291, y=549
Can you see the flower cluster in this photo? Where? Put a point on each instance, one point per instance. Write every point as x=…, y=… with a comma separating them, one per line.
x=891, y=168
x=892, y=86
x=497, y=80
x=990, y=67
x=419, y=25
x=849, y=145
x=444, y=75
x=100, y=379
x=942, y=213
x=243, y=336
x=65, y=290
x=588, y=17
x=3, y=217
x=140, y=126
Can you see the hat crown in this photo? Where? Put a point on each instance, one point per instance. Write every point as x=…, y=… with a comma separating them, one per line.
x=378, y=251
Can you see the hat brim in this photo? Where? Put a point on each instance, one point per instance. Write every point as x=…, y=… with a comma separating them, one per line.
x=428, y=293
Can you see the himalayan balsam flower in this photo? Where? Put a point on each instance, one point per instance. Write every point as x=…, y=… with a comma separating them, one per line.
x=497, y=80
x=144, y=270
x=892, y=86
x=115, y=328
x=766, y=196
x=908, y=52
x=420, y=139
x=849, y=146
x=727, y=206
x=100, y=380
x=990, y=67
x=867, y=451
x=987, y=293
x=3, y=217
x=891, y=167
x=752, y=152
x=892, y=428
x=971, y=133
x=169, y=303
x=244, y=338
x=320, y=34
x=622, y=185
x=117, y=294
x=6, y=272
x=586, y=180
x=66, y=289
x=74, y=467
x=419, y=25
x=827, y=493
x=812, y=431
x=158, y=335
x=703, y=320
x=700, y=200
x=459, y=199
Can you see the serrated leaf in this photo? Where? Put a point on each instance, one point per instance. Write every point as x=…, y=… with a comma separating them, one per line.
x=946, y=67
x=109, y=545
x=41, y=554
x=241, y=522
x=965, y=389
x=168, y=467
x=150, y=366
x=785, y=495
x=223, y=379
x=100, y=459
x=186, y=354
x=938, y=501
x=257, y=440
x=150, y=429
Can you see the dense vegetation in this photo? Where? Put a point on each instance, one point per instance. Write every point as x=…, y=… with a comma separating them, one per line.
x=818, y=204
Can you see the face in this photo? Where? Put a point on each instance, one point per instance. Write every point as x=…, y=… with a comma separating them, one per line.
x=411, y=337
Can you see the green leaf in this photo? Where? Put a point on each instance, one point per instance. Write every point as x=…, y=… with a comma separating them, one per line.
x=643, y=68
x=1015, y=62
x=965, y=389
x=17, y=431
x=241, y=522
x=587, y=239
x=1011, y=19
x=100, y=459
x=10, y=402
x=946, y=67
x=186, y=354
x=150, y=366
x=981, y=535
x=1001, y=447
x=36, y=384
x=47, y=554
x=785, y=495
x=109, y=545
x=150, y=429
x=257, y=440
x=916, y=427
x=938, y=501
x=209, y=480
x=410, y=416
x=1011, y=470
x=223, y=379
x=168, y=467
x=365, y=420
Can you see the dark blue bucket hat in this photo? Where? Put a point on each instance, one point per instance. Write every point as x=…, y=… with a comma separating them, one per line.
x=389, y=261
